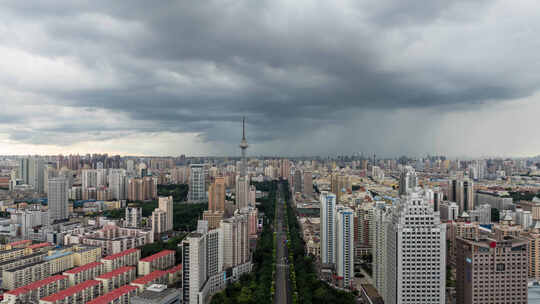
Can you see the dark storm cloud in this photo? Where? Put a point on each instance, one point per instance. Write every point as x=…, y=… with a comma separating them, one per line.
x=292, y=67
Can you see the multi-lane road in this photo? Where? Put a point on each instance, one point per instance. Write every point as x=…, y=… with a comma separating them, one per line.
x=283, y=294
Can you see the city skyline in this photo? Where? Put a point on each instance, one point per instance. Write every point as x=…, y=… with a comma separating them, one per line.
x=168, y=78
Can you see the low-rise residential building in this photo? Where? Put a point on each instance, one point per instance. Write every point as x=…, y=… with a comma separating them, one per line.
x=156, y=277
x=78, y=294
x=128, y=257
x=85, y=254
x=26, y=274
x=10, y=254
x=39, y=247
x=124, y=294
x=84, y=273
x=118, y=277
x=16, y=245
x=160, y=261
x=24, y=260
x=175, y=274
x=31, y=293
x=112, y=239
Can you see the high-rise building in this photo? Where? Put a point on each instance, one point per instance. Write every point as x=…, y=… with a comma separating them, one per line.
x=328, y=232
x=194, y=266
x=408, y=180
x=416, y=253
x=133, y=217
x=159, y=221
x=461, y=229
x=452, y=190
x=216, y=195
x=345, y=246
x=24, y=170
x=142, y=189
x=117, y=184
x=533, y=237
x=235, y=240
x=197, y=184
x=202, y=264
x=89, y=179
x=31, y=172
x=465, y=195
x=491, y=271
x=284, y=169
x=297, y=180
x=308, y=183
x=449, y=211
x=166, y=205
x=37, y=174
x=382, y=218
x=57, y=196
x=213, y=218
x=242, y=191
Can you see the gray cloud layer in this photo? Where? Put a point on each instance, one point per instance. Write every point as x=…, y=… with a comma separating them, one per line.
x=95, y=70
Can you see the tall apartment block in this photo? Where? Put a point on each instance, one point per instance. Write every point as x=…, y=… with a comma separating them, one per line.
x=166, y=205
x=345, y=246
x=197, y=187
x=328, y=234
x=57, y=195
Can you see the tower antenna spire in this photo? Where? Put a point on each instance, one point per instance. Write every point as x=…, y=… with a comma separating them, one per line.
x=243, y=127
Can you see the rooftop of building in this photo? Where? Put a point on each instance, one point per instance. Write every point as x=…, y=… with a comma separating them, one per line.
x=507, y=241
x=71, y=291
x=120, y=254
x=174, y=268
x=57, y=255
x=156, y=292
x=116, y=272
x=158, y=255
x=113, y=295
x=149, y=277
x=14, y=269
x=16, y=243
x=83, y=268
x=36, y=285
x=39, y=245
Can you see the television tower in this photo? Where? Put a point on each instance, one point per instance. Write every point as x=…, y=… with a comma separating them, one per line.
x=243, y=145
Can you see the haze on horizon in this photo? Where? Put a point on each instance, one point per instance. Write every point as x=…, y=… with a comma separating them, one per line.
x=458, y=78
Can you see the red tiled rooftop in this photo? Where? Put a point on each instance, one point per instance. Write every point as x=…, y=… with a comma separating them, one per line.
x=20, y=242
x=39, y=245
x=83, y=267
x=117, y=255
x=115, y=272
x=71, y=291
x=36, y=285
x=174, y=269
x=149, y=277
x=157, y=255
x=113, y=295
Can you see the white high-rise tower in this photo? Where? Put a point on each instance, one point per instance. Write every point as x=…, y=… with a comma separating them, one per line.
x=328, y=232
x=416, y=253
x=345, y=245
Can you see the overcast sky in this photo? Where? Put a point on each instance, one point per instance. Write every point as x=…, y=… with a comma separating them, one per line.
x=313, y=77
